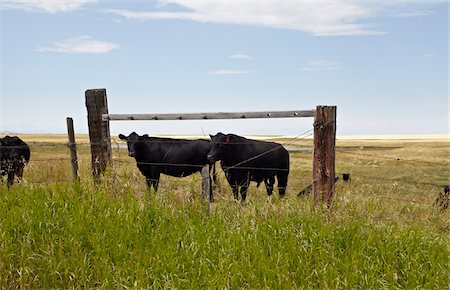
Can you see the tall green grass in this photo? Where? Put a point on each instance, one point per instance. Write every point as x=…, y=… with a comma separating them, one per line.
x=65, y=236
x=379, y=234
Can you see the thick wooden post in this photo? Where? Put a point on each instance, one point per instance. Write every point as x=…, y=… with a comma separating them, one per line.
x=324, y=154
x=73, y=148
x=99, y=135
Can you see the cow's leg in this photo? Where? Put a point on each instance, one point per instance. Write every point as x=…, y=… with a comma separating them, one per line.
x=269, y=182
x=152, y=178
x=244, y=187
x=10, y=180
x=20, y=172
x=214, y=177
x=244, y=190
x=213, y=168
x=155, y=181
x=235, y=189
x=152, y=182
x=234, y=184
x=155, y=184
x=149, y=182
x=211, y=198
x=282, y=178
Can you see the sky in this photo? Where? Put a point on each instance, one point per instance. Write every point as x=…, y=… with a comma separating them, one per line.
x=384, y=64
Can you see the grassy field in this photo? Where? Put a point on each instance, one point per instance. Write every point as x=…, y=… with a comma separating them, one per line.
x=382, y=231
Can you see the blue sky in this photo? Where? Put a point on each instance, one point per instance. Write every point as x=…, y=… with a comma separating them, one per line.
x=383, y=63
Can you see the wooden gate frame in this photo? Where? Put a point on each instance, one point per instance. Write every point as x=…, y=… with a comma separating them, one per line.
x=324, y=136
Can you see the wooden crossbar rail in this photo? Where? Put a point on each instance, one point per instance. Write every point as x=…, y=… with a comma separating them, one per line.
x=210, y=116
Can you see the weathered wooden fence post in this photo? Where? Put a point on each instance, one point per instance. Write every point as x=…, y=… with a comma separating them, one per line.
x=324, y=154
x=99, y=134
x=73, y=148
x=206, y=186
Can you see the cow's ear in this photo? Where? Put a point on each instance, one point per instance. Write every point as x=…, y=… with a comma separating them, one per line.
x=122, y=137
x=145, y=135
x=228, y=140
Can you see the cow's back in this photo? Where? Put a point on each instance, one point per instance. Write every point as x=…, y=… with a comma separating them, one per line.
x=254, y=154
x=175, y=157
x=13, y=148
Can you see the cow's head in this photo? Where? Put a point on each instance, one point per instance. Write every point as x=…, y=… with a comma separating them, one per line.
x=219, y=145
x=132, y=139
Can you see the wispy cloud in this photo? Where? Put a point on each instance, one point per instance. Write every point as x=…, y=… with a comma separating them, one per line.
x=52, y=6
x=414, y=14
x=231, y=72
x=240, y=56
x=80, y=45
x=333, y=17
x=320, y=64
x=427, y=55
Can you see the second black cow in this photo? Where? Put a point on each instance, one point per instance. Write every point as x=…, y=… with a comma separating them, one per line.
x=174, y=157
x=245, y=160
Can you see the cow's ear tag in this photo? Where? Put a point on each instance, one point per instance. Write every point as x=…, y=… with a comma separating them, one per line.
x=228, y=140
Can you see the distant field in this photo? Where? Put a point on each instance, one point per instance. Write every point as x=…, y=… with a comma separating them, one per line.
x=382, y=232
x=85, y=137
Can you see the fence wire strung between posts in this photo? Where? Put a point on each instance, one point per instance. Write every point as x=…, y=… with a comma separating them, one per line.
x=397, y=160
x=301, y=136
x=359, y=154
x=394, y=158
x=238, y=165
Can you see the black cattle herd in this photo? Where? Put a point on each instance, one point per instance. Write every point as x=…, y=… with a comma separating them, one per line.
x=242, y=160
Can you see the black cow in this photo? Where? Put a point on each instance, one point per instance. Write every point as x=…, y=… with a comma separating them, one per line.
x=174, y=157
x=245, y=160
x=14, y=155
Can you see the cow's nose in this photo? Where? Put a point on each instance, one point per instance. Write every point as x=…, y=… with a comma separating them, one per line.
x=131, y=154
x=209, y=156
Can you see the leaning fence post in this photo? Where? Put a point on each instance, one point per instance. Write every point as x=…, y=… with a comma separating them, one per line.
x=73, y=148
x=99, y=134
x=324, y=154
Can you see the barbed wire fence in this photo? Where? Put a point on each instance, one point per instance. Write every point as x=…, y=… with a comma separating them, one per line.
x=359, y=155
x=393, y=182
x=117, y=146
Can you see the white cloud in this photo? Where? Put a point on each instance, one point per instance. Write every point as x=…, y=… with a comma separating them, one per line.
x=427, y=55
x=231, y=72
x=80, y=45
x=333, y=17
x=240, y=56
x=414, y=14
x=52, y=6
x=319, y=65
